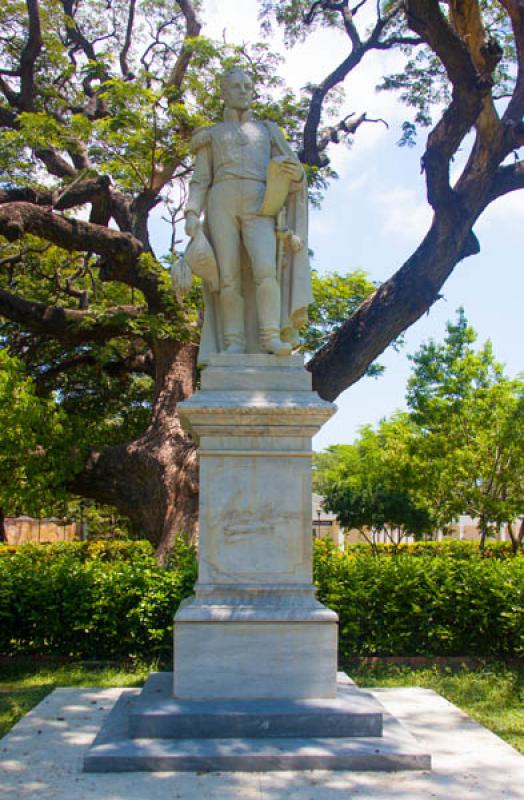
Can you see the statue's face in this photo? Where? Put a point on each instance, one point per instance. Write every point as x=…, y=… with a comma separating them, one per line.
x=237, y=91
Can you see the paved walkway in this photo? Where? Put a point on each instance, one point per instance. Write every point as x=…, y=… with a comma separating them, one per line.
x=41, y=759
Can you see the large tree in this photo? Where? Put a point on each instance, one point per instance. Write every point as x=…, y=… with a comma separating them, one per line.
x=98, y=101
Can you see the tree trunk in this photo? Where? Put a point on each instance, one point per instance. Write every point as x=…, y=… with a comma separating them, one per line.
x=153, y=480
x=3, y=533
x=483, y=530
x=516, y=538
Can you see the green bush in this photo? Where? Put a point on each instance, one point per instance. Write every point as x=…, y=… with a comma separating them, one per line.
x=112, y=600
x=450, y=548
x=82, y=600
x=101, y=550
x=423, y=606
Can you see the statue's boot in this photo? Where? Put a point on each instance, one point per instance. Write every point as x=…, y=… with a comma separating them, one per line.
x=232, y=308
x=268, y=310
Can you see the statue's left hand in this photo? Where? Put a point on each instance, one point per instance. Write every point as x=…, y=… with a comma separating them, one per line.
x=293, y=169
x=192, y=223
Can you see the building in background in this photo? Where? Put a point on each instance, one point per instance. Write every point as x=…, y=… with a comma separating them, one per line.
x=21, y=530
x=325, y=523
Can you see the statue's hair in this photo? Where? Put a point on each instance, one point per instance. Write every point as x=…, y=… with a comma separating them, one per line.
x=228, y=74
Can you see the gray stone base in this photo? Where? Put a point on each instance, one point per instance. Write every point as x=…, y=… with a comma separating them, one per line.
x=156, y=714
x=151, y=731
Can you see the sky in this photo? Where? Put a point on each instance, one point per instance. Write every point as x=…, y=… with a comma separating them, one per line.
x=376, y=213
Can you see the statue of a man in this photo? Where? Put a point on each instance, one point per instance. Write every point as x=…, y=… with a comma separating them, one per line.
x=258, y=284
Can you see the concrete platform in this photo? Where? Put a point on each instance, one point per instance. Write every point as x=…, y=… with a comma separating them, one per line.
x=156, y=714
x=42, y=757
x=153, y=731
x=114, y=751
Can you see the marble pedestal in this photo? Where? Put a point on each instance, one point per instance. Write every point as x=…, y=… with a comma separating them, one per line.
x=254, y=628
x=255, y=683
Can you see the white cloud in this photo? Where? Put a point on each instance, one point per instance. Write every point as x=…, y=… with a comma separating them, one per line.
x=404, y=214
x=239, y=26
x=508, y=209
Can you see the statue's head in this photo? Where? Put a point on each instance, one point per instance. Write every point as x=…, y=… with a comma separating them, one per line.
x=237, y=89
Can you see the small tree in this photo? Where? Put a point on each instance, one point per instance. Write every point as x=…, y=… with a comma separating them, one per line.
x=368, y=485
x=468, y=446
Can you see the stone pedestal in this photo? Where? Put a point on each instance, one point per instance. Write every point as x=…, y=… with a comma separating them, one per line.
x=254, y=628
x=255, y=683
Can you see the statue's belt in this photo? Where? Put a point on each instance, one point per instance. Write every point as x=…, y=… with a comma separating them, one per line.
x=222, y=178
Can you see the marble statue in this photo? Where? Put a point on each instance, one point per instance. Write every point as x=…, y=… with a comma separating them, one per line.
x=251, y=246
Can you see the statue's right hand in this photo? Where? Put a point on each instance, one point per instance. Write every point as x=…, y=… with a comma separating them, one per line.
x=192, y=223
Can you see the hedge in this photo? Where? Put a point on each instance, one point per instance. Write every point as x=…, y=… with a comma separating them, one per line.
x=428, y=606
x=102, y=600
x=450, y=548
x=112, y=601
x=102, y=550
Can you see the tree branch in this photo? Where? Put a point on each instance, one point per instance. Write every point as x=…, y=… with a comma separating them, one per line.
x=124, y=66
x=469, y=89
x=9, y=93
x=141, y=363
x=311, y=153
x=396, y=305
x=69, y=364
x=120, y=251
x=17, y=258
x=515, y=110
x=67, y=325
x=85, y=191
x=507, y=179
x=28, y=57
x=56, y=164
x=75, y=34
x=17, y=219
x=193, y=27
x=331, y=134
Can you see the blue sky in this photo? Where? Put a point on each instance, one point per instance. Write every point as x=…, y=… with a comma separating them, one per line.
x=375, y=214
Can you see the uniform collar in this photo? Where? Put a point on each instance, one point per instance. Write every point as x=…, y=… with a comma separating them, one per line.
x=233, y=115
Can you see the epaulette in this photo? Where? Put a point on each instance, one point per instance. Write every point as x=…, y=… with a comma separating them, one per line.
x=200, y=138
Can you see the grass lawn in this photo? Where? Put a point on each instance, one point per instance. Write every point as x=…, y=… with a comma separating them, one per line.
x=493, y=695
x=23, y=686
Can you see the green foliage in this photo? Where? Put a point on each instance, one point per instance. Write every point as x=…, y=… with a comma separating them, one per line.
x=44, y=436
x=468, y=443
x=291, y=15
x=459, y=450
x=99, y=550
x=423, y=606
x=446, y=548
x=368, y=486
x=112, y=600
x=87, y=600
x=335, y=298
x=36, y=443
